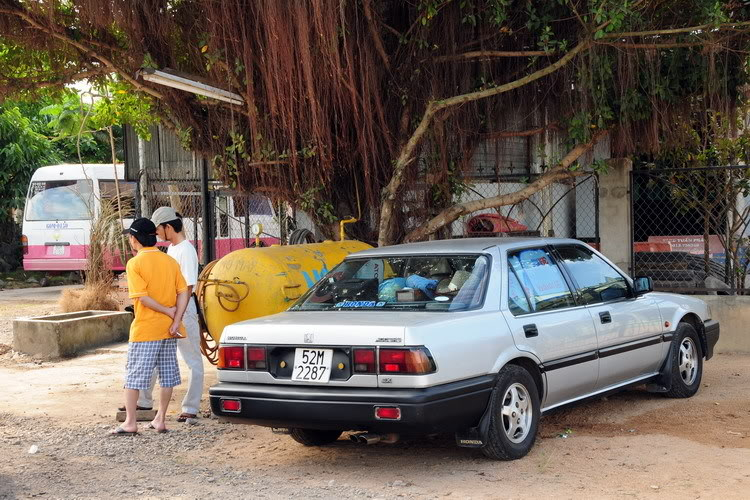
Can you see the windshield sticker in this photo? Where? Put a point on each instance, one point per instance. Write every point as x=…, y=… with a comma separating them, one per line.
x=360, y=303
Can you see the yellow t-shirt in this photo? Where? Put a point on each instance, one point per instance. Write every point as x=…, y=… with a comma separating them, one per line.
x=156, y=274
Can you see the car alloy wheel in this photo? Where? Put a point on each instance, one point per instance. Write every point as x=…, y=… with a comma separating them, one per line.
x=688, y=366
x=516, y=413
x=686, y=360
x=514, y=416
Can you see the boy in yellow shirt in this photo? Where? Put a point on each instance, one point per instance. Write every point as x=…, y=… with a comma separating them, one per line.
x=160, y=296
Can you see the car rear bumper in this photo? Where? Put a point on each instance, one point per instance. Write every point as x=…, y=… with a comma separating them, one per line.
x=443, y=408
x=711, y=329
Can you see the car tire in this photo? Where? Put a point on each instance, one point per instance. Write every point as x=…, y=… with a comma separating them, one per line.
x=687, y=362
x=515, y=396
x=314, y=437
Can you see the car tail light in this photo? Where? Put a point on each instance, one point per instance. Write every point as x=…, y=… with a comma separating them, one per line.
x=231, y=405
x=364, y=361
x=388, y=413
x=25, y=244
x=256, y=358
x=414, y=360
x=232, y=358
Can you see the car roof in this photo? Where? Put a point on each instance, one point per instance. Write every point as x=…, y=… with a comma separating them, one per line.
x=460, y=246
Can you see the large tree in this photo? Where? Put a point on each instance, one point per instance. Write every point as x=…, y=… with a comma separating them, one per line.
x=363, y=107
x=22, y=150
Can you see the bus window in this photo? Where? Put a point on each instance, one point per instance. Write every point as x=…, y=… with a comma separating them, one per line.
x=127, y=194
x=251, y=204
x=59, y=200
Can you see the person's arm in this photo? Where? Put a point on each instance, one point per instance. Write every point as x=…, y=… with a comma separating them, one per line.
x=153, y=304
x=188, y=261
x=182, y=302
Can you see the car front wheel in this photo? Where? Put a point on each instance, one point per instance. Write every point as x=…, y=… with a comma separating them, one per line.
x=687, y=362
x=314, y=437
x=514, y=415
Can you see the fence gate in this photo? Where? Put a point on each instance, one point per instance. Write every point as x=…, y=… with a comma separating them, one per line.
x=690, y=228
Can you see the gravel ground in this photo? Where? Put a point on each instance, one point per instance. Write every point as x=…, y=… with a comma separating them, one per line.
x=631, y=445
x=84, y=462
x=54, y=419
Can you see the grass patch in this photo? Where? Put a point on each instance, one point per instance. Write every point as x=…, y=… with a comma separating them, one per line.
x=93, y=297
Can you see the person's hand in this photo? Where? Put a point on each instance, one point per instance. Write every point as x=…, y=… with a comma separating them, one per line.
x=171, y=311
x=174, y=329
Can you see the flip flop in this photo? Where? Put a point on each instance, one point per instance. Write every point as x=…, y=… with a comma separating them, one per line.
x=160, y=431
x=119, y=431
x=122, y=408
x=185, y=416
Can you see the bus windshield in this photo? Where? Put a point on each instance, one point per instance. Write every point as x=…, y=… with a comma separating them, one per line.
x=59, y=200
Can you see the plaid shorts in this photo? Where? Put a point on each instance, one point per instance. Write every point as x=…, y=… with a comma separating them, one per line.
x=143, y=357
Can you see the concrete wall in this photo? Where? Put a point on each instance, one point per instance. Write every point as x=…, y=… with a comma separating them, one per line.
x=733, y=314
x=614, y=213
x=65, y=335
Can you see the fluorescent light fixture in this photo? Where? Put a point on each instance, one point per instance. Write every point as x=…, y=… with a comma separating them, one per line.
x=180, y=82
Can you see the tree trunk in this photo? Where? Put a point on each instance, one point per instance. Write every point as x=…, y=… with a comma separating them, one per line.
x=406, y=155
x=559, y=172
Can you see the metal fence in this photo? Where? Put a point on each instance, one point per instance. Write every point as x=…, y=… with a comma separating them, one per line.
x=563, y=209
x=690, y=228
x=165, y=174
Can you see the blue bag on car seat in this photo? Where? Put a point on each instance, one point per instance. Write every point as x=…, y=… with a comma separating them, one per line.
x=428, y=286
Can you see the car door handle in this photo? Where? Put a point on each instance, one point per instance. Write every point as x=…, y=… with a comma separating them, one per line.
x=605, y=317
x=530, y=330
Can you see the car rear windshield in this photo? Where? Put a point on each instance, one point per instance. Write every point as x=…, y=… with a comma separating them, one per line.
x=419, y=282
x=59, y=200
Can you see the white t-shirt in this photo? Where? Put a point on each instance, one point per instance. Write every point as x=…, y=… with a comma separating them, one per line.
x=187, y=257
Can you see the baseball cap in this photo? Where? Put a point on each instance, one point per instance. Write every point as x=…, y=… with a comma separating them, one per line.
x=141, y=226
x=164, y=214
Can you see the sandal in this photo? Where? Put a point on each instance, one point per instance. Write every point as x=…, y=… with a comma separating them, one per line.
x=138, y=408
x=160, y=431
x=185, y=416
x=119, y=431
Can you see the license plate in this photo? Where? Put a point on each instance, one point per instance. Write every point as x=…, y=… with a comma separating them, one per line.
x=312, y=365
x=58, y=250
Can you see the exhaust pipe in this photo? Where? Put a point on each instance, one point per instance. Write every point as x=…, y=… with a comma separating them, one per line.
x=369, y=438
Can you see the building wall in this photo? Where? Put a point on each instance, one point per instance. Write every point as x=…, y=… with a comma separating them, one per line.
x=733, y=314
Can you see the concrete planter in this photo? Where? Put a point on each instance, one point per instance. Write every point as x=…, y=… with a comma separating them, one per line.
x=65, y=335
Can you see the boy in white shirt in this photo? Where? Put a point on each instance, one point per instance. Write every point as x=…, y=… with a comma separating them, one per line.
x=169, y=228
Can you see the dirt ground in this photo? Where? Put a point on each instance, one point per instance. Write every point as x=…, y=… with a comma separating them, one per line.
x=631, y=445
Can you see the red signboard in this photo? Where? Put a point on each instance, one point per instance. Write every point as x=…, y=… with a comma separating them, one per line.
x=690, y=244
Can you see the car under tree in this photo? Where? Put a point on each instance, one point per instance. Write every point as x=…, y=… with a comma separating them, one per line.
x=477, y=337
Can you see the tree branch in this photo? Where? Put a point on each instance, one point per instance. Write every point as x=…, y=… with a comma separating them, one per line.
x=558, y=172
x=673, y=31
x=488, y=54
x=29, y=83
x=518, y=133
x=367, y=5
x=654, y=46
x=406, y=155
x=86, y=50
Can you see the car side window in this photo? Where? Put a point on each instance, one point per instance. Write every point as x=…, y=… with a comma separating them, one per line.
x=517, y=301
x=542, y=280
x=595, y=279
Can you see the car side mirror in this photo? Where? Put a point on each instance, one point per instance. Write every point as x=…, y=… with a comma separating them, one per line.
x=642, y=285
